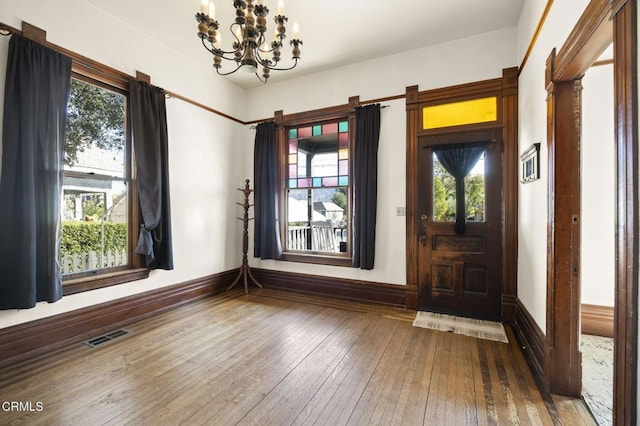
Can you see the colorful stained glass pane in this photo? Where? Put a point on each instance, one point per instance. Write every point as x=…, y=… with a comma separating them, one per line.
x=304, y=132
x=317, y=130
x=293, y=183
x=343, y=180
x=293, y=133
x=343, y=140
x=293, y=171
x=304, y=183
x=343, y=154
x=293, y=146
x=330, y=181
x=343, y=126
x=317, y=182
x=343, y=167
x=330, y=128
x=293, y=158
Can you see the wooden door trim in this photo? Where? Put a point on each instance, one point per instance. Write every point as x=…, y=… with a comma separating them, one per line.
x=506, y=88
x=602, y=22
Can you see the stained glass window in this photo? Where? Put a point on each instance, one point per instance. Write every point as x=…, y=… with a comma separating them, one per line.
x=318, y=187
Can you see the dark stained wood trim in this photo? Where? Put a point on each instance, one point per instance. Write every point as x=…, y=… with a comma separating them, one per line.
x=596, y=320
x=531, y=338
x=563, y=364
x=590, y=37
x=461, y=92
x=625, y=381
x=509, y=307
x=27, y=340
x=601, y=63
x=413, y=127
x=506, y=90
x=340, y=288
x=204, y=107
x=34, y=33
x=104, y=280
x=510, y=179
x=140, y=76
x=536, y=34
x=312, y=117
x=367, y=102
x=601, y=23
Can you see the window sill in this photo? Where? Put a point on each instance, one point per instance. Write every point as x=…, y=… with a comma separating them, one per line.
x=79, y=285
x=317, y=259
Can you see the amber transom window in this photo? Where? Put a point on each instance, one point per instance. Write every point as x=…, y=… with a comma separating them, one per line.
x=318, y=188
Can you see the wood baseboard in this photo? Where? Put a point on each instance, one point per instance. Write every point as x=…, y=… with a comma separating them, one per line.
x=532, y=340
x=596, y=320
x=359, y=291
x=509, y=306
x=27, y=340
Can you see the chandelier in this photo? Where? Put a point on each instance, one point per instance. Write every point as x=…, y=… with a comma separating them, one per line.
x=251, y=49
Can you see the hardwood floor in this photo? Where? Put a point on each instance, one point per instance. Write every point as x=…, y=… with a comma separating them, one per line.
x=280, y=358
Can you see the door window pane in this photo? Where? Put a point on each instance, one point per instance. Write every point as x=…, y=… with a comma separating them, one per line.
x=474, y=194
x=444, y=193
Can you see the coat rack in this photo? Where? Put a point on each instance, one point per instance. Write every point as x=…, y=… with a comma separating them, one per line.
x=245, y=270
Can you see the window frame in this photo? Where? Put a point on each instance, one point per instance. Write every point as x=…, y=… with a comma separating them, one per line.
x=304, y=119
x=135, y=269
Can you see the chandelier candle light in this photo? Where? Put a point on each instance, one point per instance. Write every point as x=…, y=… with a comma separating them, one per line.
x=250, y=48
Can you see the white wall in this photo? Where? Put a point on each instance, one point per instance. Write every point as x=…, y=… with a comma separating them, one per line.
x=532, y=128
x=465, y=60
x=203, y=147
x=598, y=188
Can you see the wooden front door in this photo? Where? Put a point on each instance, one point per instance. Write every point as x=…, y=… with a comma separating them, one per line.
x=461, y=273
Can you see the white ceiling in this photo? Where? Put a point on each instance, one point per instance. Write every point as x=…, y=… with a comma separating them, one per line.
x=334, y=32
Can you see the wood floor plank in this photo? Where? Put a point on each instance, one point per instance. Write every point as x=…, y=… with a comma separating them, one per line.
x=342, y=390
x=281, y=358
x=285, y=402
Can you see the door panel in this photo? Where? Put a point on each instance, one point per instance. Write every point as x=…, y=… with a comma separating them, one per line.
x=460, y=274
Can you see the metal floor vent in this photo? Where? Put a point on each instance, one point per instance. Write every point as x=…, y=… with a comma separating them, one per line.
x=99, y=340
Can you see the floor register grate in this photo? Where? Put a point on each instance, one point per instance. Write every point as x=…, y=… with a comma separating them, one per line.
x=100, y=340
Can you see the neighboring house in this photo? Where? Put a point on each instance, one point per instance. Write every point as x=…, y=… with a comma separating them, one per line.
x=78, y=191
x=329, y=210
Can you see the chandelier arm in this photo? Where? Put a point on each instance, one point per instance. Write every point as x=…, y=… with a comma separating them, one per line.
x=262, y=80
x=234, y=34
x=220, y=51
x=284, y=69
x=228, y=73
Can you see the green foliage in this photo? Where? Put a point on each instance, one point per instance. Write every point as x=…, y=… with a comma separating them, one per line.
x=340, y=199
x=93, y=210
x=444, y=195
x=474, y=196
x=95, y=117
x=83, y=237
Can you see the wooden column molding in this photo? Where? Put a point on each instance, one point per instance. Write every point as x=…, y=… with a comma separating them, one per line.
x=510, y=179
x=413, y=123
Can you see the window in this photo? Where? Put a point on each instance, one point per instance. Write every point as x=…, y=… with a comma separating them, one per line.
x=97, y=195
x=317, y=189
x=444, y=193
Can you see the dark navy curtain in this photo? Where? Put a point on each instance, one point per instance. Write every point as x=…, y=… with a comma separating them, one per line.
x=147, y=107
x=459, y=161
x=35, y=102
x=266, y=242
x=365, y=185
